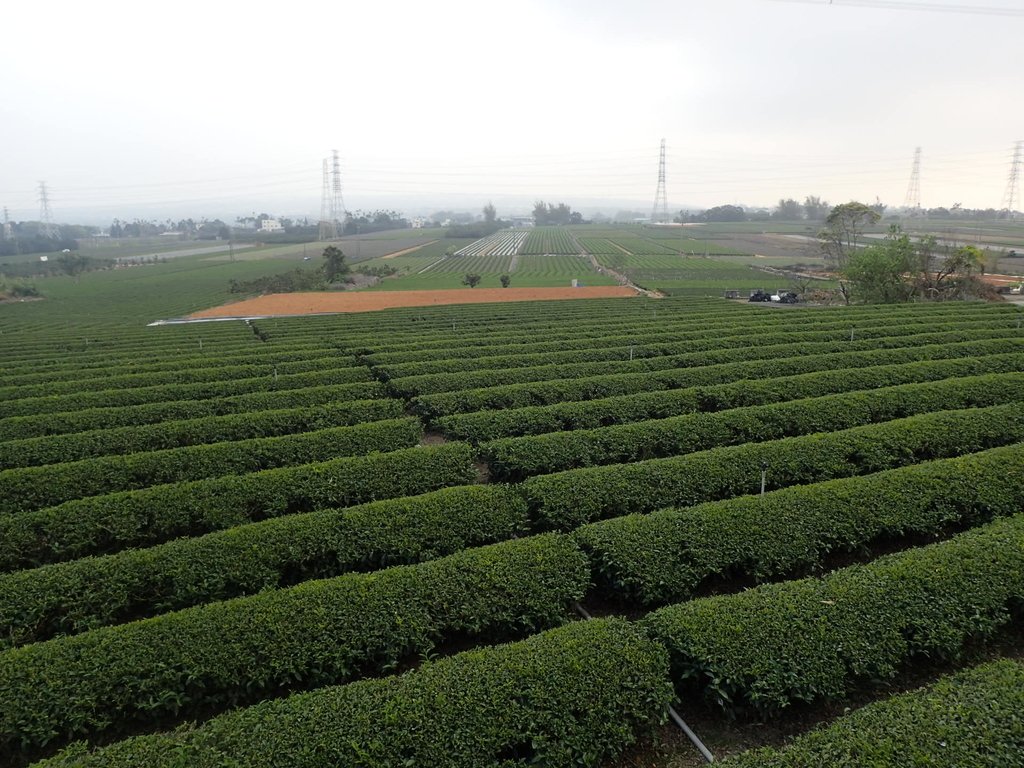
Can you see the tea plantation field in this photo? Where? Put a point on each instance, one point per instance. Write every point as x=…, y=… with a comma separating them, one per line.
x=370, y=540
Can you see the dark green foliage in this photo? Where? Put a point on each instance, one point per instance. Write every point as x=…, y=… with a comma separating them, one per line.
x=319, y=632
x=518, y=457
x=356, y=399
x=567, y=499
x=178, y=434
x=639, y=406
x=72, y=597
x=108, y=398
x=574, y=696
x=513, y=368
x=30, y=488
x=143, y=359
x=658, y=343
x=560, y=383
x=665, y=556
x=287, y=282
x=180, y=375
x=103, y=524
x=334, y=266
x=811, y=639
x=499, y=339
x=968, y=719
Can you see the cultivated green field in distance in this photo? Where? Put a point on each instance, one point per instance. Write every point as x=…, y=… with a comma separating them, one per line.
x=255, y=526
x=695, y=259
x=673, y=261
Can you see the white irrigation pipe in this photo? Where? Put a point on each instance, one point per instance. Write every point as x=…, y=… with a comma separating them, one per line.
x=694, y=739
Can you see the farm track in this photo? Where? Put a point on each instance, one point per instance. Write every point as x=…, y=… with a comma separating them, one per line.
x=256, y=547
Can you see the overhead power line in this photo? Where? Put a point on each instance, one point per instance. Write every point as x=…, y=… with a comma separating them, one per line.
x=906, y=5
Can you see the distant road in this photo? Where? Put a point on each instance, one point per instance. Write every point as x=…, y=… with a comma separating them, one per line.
x=172, y=254
x=961, y=241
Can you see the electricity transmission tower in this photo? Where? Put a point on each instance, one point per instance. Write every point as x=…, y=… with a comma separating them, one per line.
x=332, y=205
x=1012, y=196
x=8, y=232
x=659, y=213
x=913, y=201
x=337, y=202
x=328, y=224
x=47, y=227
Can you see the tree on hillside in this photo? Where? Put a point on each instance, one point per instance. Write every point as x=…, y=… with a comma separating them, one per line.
x=334, y=264
x=490, y=214
x=471, y=279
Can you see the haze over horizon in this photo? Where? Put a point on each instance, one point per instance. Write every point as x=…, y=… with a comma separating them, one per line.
x=228, y=108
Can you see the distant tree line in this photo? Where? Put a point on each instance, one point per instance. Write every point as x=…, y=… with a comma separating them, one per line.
x=332, y=271
x=546, y=214
x=35, y=244
x=815, y=209
x=363, y=222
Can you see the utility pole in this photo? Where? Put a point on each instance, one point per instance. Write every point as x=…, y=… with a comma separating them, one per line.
x=659, y=213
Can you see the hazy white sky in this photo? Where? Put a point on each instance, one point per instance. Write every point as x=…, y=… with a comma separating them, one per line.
x=222, y=108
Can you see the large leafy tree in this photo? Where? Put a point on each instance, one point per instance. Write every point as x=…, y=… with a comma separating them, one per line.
x=334, y=263
x=899, y=269
x=844, y=227
x=841, y=235
x=882, y=273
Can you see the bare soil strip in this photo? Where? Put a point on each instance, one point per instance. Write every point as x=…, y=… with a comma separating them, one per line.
x=408, y=250
x=288, y=304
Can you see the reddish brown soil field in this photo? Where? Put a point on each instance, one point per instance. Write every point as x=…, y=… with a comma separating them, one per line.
x=281, y=304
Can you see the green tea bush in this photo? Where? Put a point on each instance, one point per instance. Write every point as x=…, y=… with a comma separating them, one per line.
x=515, y=458
x=72, y=597
x=568, y=499
x=319, y=632
x=573, y=696
x=549, y=385
x=109, y=523
x=361, y=400
x=109, y=398
x=179, y=434
x=970, y=718
x=665, y=556
x=30, y=488
x=811, y=639
x=640, y=406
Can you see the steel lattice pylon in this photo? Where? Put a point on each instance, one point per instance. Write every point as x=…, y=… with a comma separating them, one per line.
x=913, y=200
x=659, y=213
